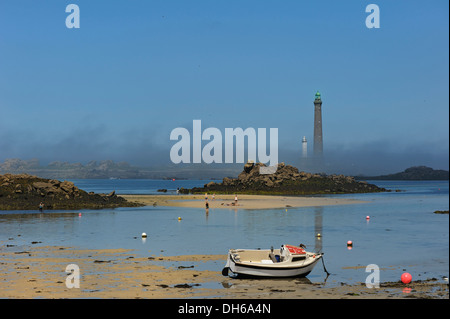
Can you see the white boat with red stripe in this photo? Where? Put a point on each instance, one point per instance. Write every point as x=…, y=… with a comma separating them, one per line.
x=288, y=261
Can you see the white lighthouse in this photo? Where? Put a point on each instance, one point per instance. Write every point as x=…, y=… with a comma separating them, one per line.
x=304, y=147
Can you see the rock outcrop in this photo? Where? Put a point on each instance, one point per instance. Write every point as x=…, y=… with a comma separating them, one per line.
x=27, y=192
x=287, y=180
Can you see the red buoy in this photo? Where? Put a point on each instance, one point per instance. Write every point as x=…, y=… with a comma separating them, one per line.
x=349, y=245
x=406, y=278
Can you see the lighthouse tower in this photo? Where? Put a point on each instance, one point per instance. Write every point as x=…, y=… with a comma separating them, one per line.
x=318, y=139
x=304, y=147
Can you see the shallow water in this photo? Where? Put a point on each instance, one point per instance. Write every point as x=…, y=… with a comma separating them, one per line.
x=402, y=234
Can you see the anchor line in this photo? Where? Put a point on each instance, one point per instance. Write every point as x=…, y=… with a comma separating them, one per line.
x=324, y=268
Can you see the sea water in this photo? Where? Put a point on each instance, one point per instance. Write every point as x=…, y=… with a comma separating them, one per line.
x=402, y=233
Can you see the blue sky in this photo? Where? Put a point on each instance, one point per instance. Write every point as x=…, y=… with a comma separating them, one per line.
x=135, y=70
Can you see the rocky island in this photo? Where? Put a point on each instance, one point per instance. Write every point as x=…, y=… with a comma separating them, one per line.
x=415, y=173
x=287, y=180
x=27, y=192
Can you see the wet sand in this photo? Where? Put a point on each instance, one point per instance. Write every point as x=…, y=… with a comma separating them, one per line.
x=39, y=272
x=244, y=201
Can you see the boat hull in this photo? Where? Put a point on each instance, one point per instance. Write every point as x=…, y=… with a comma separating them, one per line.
x=271, y=270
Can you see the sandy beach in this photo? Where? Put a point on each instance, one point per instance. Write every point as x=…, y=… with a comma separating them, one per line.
x=39, y=272
x=244, y=201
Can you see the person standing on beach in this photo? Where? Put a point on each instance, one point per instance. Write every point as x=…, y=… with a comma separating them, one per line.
x=206, y=196
x=235, y=200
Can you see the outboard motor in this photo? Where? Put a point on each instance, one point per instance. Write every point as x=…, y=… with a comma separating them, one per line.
x=273, y=257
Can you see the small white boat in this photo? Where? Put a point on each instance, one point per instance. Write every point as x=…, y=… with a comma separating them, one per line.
x=288, y=261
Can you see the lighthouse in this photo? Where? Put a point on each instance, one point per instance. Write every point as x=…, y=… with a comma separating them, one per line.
x=304, y=147
x=318, y=139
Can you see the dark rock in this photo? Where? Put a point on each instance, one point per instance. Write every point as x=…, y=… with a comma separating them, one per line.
x=163, y=286
x=249, y=166
x=185, y=285
x=26, y=192
x=210, y=184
